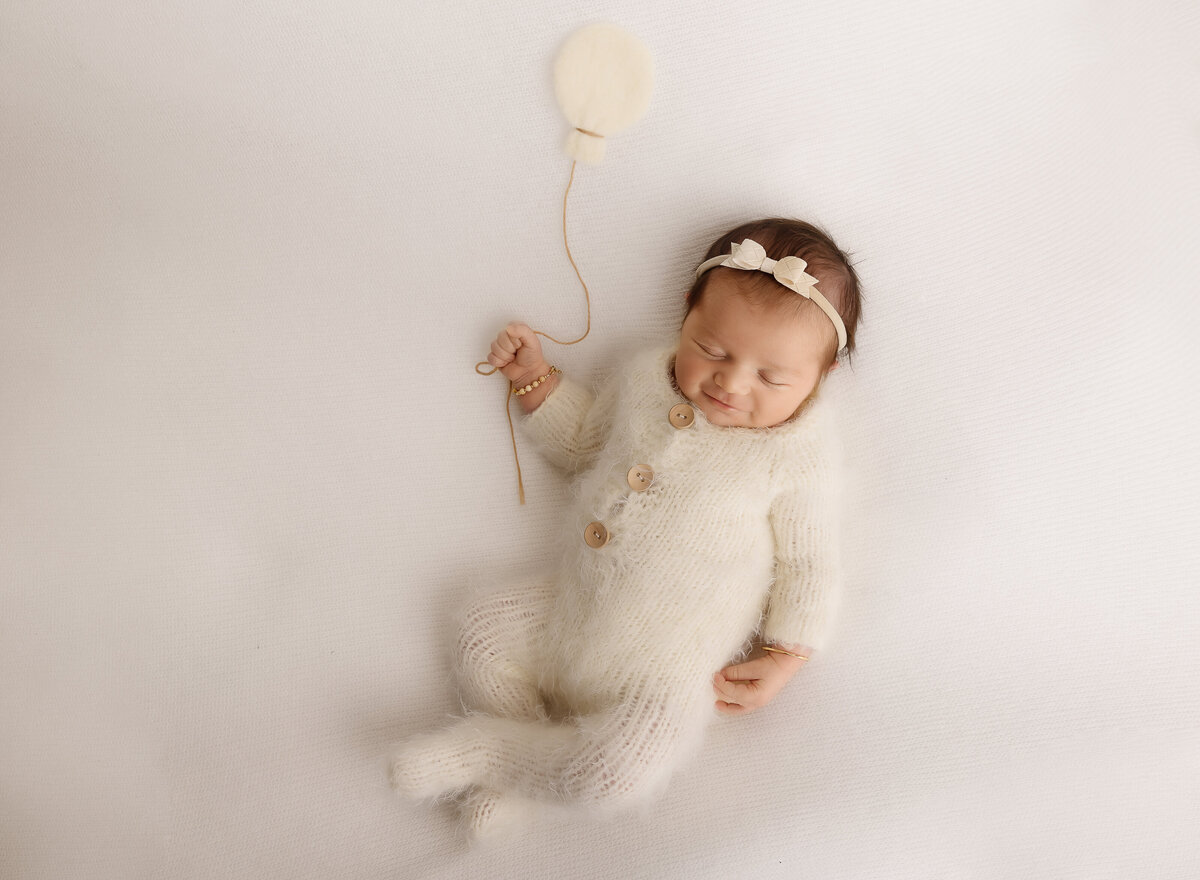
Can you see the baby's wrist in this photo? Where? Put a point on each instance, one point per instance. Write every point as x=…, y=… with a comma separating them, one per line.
x=531, y=396
x=783, y=650
x=529, y=376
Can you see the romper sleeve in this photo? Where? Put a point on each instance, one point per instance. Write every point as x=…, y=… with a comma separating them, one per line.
x=572, y=423
x=805, y=520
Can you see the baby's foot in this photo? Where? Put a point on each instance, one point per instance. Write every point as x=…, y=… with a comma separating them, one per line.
x=435, y=763
x=490, y=815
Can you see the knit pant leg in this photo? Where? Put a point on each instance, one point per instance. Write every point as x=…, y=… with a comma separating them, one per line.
x=611, y=758
x=496, y=657
x=496, y=666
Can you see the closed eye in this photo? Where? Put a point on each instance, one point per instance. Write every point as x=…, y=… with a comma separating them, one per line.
x=769, y=382
x=710, y=352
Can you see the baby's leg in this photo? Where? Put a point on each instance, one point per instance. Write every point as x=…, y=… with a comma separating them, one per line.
x=496, y=656
x=605, y=760
x=496, y=665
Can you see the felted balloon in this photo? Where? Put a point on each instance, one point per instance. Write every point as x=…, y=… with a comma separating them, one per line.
x=602, y=79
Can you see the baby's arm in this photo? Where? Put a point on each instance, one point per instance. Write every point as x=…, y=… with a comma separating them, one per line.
x=804, y=520
x=572, y=427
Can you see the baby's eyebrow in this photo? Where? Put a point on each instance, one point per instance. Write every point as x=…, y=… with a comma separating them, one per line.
x=774, y=368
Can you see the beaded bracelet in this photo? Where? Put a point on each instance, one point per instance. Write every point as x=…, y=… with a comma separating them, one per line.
x=781, y=651
x=536, y=382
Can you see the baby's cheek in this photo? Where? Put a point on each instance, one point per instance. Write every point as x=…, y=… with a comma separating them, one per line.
x=687, y=376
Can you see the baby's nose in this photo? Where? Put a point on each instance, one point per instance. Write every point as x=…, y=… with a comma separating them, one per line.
x=732, y=381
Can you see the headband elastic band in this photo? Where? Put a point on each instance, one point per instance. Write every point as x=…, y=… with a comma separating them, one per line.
x=789, y=272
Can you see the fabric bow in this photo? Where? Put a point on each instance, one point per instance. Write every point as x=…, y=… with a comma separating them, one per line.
x=789, y=271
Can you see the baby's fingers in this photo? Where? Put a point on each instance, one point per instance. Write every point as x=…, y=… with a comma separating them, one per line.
x=500, y=356
x=731, y=708
x=751, y=669
x=528, y=351
x=520, y=334
x=505, y=343
x=741, y=693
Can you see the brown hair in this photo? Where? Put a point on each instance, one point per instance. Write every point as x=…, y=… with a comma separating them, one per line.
x=782, y=237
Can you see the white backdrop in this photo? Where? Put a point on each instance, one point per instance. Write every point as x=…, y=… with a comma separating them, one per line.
x=249, y=254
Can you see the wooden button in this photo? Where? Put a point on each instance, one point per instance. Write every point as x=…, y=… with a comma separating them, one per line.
x=595, y=535
x=682, y=415
x=639, y=477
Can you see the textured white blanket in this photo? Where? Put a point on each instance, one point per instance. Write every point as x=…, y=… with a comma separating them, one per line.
x=249, y=254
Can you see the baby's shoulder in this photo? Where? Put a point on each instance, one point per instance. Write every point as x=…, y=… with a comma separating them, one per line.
x=646, y=362
x=641, y=376
x=810, y=445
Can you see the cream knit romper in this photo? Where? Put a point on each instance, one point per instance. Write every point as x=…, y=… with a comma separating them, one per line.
x=684, y=539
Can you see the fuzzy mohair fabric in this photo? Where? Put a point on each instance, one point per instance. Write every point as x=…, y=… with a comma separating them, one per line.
x=592, y=686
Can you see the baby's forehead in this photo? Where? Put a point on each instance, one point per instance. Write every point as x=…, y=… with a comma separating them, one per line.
x=776, y=305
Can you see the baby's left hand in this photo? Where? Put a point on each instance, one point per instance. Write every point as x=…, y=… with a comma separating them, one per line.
x=747, y=686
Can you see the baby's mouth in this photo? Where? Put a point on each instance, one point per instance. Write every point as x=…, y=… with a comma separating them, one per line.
x=721, y=403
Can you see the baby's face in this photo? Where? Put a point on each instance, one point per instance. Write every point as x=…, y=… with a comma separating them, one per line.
x=744, y=365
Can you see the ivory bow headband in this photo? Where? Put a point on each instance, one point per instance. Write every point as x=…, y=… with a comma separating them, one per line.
x=789, y=272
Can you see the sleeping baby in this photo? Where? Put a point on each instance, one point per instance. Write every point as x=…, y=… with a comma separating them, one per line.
x=699, y=566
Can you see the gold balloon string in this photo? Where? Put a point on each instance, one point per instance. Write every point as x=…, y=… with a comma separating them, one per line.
x=588, y=329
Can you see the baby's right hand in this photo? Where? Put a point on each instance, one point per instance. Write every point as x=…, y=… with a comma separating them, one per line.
x=517, y=354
